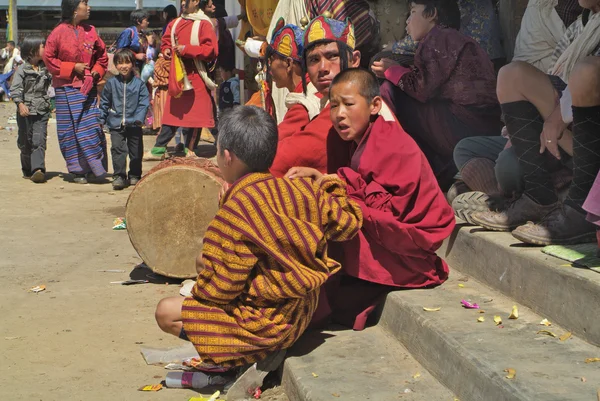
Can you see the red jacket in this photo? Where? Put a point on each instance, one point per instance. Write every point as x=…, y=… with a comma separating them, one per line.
x=68, y=45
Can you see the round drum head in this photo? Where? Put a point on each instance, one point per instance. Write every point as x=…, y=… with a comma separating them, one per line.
x=167, y=215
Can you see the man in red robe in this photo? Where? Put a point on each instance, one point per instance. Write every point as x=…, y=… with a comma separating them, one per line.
x=406, y=216
x=196, y=44
x=328, y=49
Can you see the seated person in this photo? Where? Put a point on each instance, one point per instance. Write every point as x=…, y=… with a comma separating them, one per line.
x=449, y=94
x=284, y=67
x=406, y=217
x=265, y=254
x=536, y=124
x=542, y=27
x=478, y=20
x=328, y=49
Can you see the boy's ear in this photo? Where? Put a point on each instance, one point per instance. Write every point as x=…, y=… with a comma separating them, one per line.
x=376, y=105
x=434, y=17
x=228, y=156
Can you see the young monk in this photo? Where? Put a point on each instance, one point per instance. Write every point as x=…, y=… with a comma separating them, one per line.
x=449, y=94
x=265, y=254
x=406, y=216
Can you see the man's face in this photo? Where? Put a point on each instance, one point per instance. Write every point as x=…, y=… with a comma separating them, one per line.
x=10, y=47
x=323, y=64
x=278, y=68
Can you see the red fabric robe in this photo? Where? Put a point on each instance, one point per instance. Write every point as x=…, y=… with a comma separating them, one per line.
x=406, y=218
x=317, y=146
x=194, y=108
x=68, y=45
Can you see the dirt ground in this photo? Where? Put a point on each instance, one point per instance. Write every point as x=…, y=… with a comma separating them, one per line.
x=80, y=339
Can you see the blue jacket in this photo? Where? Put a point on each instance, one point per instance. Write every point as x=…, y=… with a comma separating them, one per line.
x=130, y=39
x=124, y=104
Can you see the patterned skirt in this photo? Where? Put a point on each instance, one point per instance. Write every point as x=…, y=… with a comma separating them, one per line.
x=80, y=136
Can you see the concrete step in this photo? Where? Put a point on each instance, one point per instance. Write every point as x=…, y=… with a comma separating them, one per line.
x=470, y=357
x=566, y=295
x=342, y=364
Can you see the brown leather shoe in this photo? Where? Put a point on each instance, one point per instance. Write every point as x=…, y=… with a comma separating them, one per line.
x=563, y=226
x=518, y=213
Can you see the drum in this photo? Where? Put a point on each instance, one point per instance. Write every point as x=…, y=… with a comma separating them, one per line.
x=168, y=212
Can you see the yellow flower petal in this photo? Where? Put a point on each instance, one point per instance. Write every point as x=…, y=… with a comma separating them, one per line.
x=565, y=336
x=545, y=322
x=314, y=374
x=515, y=313
x=432, y=309
x=590, y=360
x=546, y=332
x=416, y=375
x=461, y=285
x=511, y=373
x=497, y=320
x=481, y=319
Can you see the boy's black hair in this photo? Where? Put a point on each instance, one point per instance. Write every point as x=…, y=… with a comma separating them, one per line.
x=448, y=13
x=171, y=12
x=68, y=7
x=250, y=133
x=345, y=55
x=31, y=46
x=123, y=55
x=11, y=42
x=368, y=86
x=137, y=16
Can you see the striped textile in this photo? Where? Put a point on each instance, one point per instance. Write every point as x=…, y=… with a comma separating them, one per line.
x=158, y=106
x=356, y=10
x=264, y=260
x=80, y=136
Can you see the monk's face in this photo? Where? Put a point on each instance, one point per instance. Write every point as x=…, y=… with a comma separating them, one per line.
x=351, y=113
x=418, y=24
x=323, y=64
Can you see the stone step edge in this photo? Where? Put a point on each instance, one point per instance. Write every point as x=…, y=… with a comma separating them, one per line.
x=569, y=296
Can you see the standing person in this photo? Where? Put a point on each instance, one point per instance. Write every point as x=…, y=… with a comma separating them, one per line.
x=190, y=39
x=131, y=38
x=229, y=90
x=12, y=55
x=169, y=13
x=30, y=93
x=123, y=107
x=76, y=57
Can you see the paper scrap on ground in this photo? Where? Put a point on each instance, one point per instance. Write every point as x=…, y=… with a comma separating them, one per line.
x=514, y=314
x=37, y=288
x=120, y=224
x=545, y=322
x=546, y=332
x=565, y=336
x=497, y=320
x=511, y=373
x=432, y=309
x=469, y=305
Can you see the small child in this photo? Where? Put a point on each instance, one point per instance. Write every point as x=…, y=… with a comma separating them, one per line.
x=229, y=90
x=133, y=38
x=406, y=214
x=123, y=107
x=29, y=91
x=265, y=255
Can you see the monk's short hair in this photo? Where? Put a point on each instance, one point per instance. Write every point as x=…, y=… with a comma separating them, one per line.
x=448, y=13
x=123, y=56
x=250, y=133
x=366, y=81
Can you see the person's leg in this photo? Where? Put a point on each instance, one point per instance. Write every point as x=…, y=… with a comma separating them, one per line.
x=192, y=139
x=475, y=158
x=526, y=96
x=135, y=144
x=508, y=173
x=118, y=151
x=568, y=225
x=39, y=137
x=168, y=315
x=158, y=152
x=24, y=144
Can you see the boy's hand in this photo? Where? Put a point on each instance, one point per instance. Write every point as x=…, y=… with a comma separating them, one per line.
x=23, y=110
x=80, y=68
x=381, y=66
x=301, y=172
x=324, y=177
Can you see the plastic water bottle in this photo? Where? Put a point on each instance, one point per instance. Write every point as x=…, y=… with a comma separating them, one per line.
x=195, y=380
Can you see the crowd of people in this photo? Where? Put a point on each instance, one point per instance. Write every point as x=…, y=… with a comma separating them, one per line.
x=344, y=200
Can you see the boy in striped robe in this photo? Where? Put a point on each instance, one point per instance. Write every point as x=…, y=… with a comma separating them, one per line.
x=265, y=254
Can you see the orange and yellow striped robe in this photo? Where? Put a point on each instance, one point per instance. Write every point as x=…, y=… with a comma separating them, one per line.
x=264, y=259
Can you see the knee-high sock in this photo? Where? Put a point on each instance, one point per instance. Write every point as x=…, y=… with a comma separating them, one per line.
x=479, y=175
x=524, y=125
x=586, y=153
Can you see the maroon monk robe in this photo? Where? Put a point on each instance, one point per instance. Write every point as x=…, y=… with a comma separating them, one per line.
x=406, y=218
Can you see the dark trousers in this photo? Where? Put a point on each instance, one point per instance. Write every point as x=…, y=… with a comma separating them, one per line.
x=124, y=141
x=167, y=132
x=33, y=131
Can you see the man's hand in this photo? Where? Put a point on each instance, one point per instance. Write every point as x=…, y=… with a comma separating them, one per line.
x=140, y=56
x=179, y=49
x=552, y=132
x=301, y=172
x=167, y=54
x=380, y=67
x=80, y=68
x=23, y=110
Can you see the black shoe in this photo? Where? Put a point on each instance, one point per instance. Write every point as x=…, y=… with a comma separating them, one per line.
x=80, y=179
x=179, y=147
x=134, y=180
x=119, y=183
x=38, y=177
